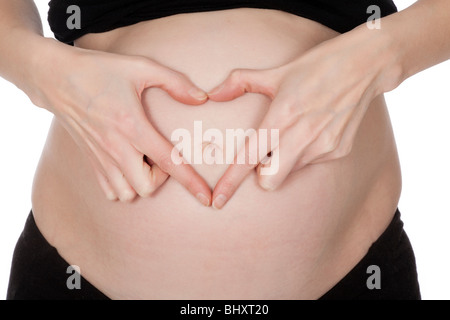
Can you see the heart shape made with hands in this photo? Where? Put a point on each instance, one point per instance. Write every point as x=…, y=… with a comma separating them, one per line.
x=167, y=119
x=257, y=153
x=316, y=125
x=317, y=112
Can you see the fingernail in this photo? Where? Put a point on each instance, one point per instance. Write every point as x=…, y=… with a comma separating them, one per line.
x=266, y=185
x=198, y=94
x=216, y=90
x=203, y=199
x=219, y=202
x=111, y=197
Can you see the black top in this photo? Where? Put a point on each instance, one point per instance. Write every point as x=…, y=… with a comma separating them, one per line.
x=104, y=15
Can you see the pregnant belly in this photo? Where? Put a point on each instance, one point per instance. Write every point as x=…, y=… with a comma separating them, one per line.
x=277, y=244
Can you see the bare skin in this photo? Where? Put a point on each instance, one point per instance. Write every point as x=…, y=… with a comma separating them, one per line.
x=283, y=244
x=295, y=242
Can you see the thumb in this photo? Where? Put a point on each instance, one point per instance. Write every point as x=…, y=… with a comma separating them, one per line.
x=241, y=81
x=177, y=85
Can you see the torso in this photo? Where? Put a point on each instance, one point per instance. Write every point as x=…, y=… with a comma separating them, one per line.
x=293, y=243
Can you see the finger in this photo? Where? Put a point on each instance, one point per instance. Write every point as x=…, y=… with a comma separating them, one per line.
x=143, y=178
x=241, y=81
x=334, y=143
x=92, y=153
x=176, y=84
x=228, y=184
x=103, y=181
x=119, y=183
x=254, y=151
x=113, y=178
x=320, y=149
x=160, y=151
x=309, y=138
x=158, y=176
x=106, y=165
x=342, y=150
x=106, y=186
x=273, y=173
x=127, y=176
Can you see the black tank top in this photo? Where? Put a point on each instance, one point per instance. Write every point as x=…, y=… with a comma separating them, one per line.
x=95, y=16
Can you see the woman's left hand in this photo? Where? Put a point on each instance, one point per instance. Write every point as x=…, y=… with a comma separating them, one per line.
x=318, y=103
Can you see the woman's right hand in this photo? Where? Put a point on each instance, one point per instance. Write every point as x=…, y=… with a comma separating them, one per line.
x=97, y=97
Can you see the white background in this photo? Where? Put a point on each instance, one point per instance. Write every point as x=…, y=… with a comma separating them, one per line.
x=420, y=111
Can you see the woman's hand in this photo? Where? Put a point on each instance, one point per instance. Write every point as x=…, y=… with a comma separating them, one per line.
x=318, y=103
x=97, y=97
